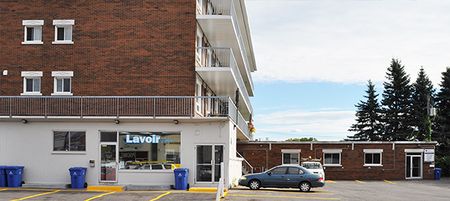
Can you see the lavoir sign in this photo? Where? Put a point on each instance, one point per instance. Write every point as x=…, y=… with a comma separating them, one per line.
x=142, y=139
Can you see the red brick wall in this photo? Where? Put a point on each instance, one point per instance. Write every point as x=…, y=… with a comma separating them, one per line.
x=137, y=47
x=263, y=156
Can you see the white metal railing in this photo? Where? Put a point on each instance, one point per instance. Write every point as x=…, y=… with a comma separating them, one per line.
x=223, y=57
x=227, y=7
x=250, y=167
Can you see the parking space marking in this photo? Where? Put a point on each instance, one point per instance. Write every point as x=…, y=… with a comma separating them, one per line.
x=389, y=182
x=330, y=181
x=361, y=182
x=99, y=196
x=160, y=196
x=282, y=196
x=36, y=195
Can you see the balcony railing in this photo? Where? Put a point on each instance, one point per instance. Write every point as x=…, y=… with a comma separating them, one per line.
x=226, y=7
x=144, y=107
x=223, y=57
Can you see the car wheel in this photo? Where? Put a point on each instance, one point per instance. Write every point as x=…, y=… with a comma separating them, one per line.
x=305, y=186
x=254, y=184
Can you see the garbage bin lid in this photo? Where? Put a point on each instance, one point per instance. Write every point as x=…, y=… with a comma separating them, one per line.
x=13, y=167
x=438, y=169
x=181, y=170
x=77, y=168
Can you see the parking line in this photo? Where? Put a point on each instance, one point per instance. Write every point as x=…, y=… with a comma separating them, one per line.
x=389, y=182
x=361, y=182
x=160, y=196
x=3, y=189
x=330, y=181
x=282, y=196
x=99, y=196
x=36, y=195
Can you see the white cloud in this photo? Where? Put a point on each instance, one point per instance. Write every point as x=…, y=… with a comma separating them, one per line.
x=348, y=41
x=328, y=124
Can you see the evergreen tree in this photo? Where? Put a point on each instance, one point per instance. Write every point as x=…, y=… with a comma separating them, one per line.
x=367, y=126
x=442, y=130
x=421, y=102
x=397, y=103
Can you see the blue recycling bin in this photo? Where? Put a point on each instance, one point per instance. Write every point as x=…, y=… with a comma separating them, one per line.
x=14, y=176
x=437, y=173
x=181, y=178
x=77, y=177
x=2, y=176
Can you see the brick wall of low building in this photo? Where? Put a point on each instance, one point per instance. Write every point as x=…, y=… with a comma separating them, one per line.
x=263, y=156
x=134, y=48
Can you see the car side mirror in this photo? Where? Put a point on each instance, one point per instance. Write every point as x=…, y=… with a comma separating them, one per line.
x=269, y=173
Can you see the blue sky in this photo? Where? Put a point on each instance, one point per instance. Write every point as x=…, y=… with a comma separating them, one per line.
x=314, y=58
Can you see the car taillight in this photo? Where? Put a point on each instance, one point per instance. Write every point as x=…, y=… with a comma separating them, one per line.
x=321, y=179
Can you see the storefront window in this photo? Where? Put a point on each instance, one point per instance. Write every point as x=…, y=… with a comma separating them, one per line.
x=149, y=150
x=69, y=141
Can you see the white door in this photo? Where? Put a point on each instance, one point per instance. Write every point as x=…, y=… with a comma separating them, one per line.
x=208, y=160
x=108, y=156
x=414, y=166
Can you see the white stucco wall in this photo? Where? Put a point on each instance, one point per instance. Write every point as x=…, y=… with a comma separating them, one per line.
x=31, y=145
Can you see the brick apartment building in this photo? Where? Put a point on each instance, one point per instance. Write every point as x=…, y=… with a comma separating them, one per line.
x=347, y=160
x=129, y=89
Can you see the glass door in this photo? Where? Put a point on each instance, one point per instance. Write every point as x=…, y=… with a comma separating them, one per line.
x=208, y=167
x=414, y=166
x=108, y=162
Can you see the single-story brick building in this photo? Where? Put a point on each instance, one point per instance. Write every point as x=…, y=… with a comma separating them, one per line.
x=346, y=160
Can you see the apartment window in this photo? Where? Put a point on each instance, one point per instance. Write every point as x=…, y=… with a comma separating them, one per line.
x=63, y=31
x=373, y=157
x=290, y=156
x=69, y=141
x=32, y=31
x=198, y=93
x=332, y=157
x=62, y=82
x=31, y=82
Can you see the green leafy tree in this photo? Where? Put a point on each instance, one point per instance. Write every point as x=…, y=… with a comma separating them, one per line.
x=442, y=130
x=397, y=103
x=421, y=102
x=368, y=126
x=303, y=139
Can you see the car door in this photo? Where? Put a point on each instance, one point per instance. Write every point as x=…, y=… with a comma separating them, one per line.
x=275, y=177
x=294, y=176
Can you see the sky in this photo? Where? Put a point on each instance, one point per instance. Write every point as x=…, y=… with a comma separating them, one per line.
x=314, y=58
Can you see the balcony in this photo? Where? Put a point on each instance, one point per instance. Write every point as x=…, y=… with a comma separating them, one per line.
x=224, y=22
x=218, y=67
x=123, y=107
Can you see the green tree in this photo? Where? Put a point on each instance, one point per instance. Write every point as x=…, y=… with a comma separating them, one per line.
x=421, y=102
x=397, y=103
x=442, y=130
x=303, y=139
x=368, y=126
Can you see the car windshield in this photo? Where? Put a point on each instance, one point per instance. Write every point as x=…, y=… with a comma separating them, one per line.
x=312, y=165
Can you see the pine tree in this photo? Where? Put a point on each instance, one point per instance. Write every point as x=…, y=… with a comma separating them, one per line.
x=397, y=103
x=442, y=130
x=421, y=101
x=367, y=126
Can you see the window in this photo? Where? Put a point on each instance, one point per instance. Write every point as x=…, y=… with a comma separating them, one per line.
x=278, y=171
x=63, y=31
x=332, y=157
x=295, y=171
x=372, y=157
x=149, y=150
x=32, y=31
x=31, y=82
x=198, y=93
x=62, y=82
x=290, y=156
x=69, y=141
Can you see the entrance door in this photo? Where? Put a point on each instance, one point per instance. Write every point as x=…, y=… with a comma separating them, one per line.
x=208, y=167
x=414, y=166
x=108, y=162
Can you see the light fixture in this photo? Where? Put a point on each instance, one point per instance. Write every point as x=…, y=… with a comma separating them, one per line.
x=24, y=121
x=176, y=121
x=117, y=121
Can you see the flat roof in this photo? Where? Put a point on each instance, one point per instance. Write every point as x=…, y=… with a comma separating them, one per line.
x=341, y=142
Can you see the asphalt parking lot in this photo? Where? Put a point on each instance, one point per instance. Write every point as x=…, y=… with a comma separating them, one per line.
x=334, y=190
